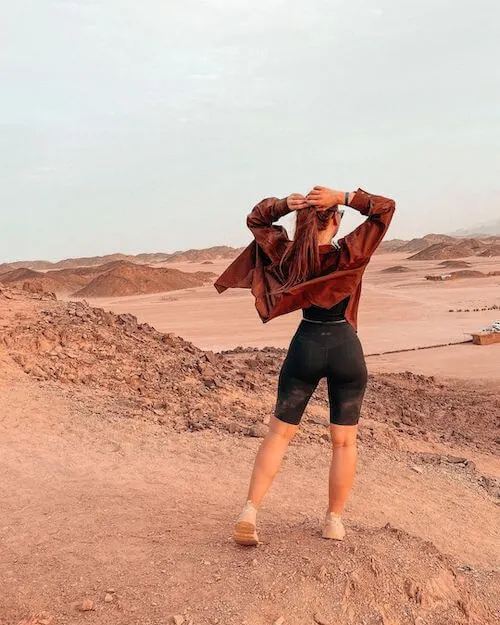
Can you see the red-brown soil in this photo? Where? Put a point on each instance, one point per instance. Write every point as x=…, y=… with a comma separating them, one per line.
x=454, y=263
x=113, y=279
x=210, y=253
x=489, y=245
x=133, y=279
x=125, y=458
x=390, y=245
x=421, y=243
x=491, y=250
x=17, y=277
x=60, y=281
x=467, y=273
x=195, y=255
x=396, y=269
x=460, y=248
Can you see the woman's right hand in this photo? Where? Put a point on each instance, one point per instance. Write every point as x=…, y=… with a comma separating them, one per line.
x=296, y=201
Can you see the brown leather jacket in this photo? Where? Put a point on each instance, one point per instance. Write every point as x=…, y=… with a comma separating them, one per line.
x=342, y=266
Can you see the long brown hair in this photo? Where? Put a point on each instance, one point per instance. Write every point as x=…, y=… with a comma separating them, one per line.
x=301, y=260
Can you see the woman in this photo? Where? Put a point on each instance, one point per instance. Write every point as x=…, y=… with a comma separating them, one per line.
x=324, y=280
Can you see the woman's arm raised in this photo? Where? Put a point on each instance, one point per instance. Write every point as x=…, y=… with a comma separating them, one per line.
x=359, y=245
x=323, y=197
x=260, y=221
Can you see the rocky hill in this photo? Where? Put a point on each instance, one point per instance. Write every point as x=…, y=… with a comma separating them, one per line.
x=413, y=245
x=73, y=342
x=192, y=255
x=463, y=248
x=133, y=279
x=442, y=246
x=489, y=246
x=491, y=250
x=116, y=278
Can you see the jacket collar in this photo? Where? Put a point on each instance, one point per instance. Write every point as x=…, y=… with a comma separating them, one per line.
x=327, y=247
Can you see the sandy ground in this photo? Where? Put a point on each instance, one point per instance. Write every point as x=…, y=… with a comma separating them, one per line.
x=111, y=517
x=397, y=311
x=136, y=521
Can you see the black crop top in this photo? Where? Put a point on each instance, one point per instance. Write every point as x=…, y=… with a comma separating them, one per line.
x=335, y=313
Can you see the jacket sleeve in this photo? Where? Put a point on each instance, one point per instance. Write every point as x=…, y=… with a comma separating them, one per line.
x=358, y=246
x=269, y=237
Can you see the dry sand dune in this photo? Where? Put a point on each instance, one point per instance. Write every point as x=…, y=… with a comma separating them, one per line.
x=454, y=263
x=125, y=458
x=462, y=273
x=396, y=269
x=468, y=273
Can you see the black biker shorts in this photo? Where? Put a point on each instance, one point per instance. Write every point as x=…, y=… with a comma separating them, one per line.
x=319, y=350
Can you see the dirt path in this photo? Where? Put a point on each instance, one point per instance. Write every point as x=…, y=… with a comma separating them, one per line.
x=138, y=520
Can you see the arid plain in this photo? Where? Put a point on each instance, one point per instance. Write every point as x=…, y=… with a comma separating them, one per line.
x=129, y=424
x=398, y=310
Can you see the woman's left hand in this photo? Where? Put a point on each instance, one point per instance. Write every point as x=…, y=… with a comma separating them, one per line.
x=323, y=197
x=296, y=201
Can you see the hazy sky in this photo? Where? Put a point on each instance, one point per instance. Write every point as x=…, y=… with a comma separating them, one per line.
x=154, y=126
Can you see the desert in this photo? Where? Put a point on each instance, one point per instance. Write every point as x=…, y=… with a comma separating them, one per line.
x=130, y=414
x=166, y=458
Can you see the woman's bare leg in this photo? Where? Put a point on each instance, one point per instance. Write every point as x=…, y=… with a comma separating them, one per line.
x=266, y=465
x=342, y=466
x=268, y=459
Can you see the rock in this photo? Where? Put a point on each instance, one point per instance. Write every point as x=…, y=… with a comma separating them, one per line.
x=177, y=619
x=209, y=382
x=322, y=574
x=456, y=460
x=413, y=467
x=86, y=605
x=108, y=598
x=211, y=357
x=279, y=621
x=320, y=619
x=259, y=430
x=205, y=369
x=43, y=618
x=411, y=588
x=234, y=428
x=375, y=566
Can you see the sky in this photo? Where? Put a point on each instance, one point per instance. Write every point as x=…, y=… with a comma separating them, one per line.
x=152, y=126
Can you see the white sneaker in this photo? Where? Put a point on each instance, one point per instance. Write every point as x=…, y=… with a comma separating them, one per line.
x=245, y=532
x=333, y=526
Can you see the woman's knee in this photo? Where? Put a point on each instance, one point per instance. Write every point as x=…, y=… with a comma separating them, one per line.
x=282, y=429
x=343, y=435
